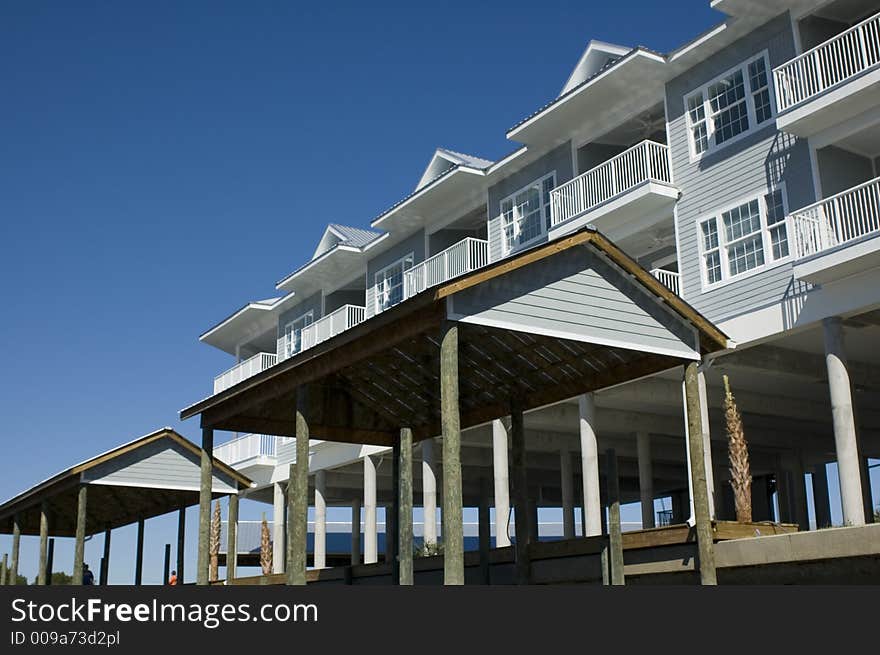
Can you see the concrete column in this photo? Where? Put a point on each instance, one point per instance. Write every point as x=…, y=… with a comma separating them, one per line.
x=567, y=484
x=590, y=465
x=371, y=546
x=821, y=498
x=405, y=509
x=707, y=442
x=181, y=541
x=320, y=556
x=232, y=538
x=484, y=531
x=429, y=491
x=139, y=554
x=16, y=547
x=356, y=531
x=205, y=506
x=845, y=437
x=700, y=497
x=278, y=527
x=105, y=560
x=298, y=496
x=502, y=484
x=615, y=538
x=520, y=494
x=450, y=421
x=44, y=543
x=646, y=478
x=79, y=547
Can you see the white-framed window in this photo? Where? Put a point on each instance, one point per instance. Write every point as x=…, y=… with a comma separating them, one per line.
x=525, y=214
x=293, y=341
x=729, y=106
x=743, y=237
x=389, y=282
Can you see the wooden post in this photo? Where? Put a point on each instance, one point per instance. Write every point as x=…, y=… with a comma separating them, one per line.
x=453, y=530
x=50, y=560
x=298, y=495
x=181, y=539
x=205, y=485
x=80, y=543
x=105, y=567
x=3, y=570
x=485, y=537
x=355, y=531
x=16, y=546
x=615, y=540
x=405, y=509
x=44, y=542
x=520, y=493
x=705, y=545
x=166, y=571
x=139, y=554
x=232, y=538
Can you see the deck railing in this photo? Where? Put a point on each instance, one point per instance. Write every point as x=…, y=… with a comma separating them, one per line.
x=248, y=447
x=465, y=256
x=324, y=328
x=834, y=221
x=243, y=370
x=828, y=64
x=647, y=161
x=668, y=278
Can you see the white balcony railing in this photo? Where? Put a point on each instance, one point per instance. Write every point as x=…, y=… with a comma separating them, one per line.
x=668, y=278
x=834, y=221
x=243, y=370
x=828, y=64
x=324, y=328
x=248, y=447
x=647, y=161
x=465, y=256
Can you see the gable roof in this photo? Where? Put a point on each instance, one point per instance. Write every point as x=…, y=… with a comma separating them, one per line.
x=443, y=160
x=597, y=56
x=336, y=234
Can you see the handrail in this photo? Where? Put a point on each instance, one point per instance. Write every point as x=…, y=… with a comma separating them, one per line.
x=467, y=255
x=243, y=370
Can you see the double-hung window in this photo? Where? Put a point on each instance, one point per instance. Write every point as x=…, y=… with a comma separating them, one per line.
x=744, y=237
x=525, y=215
x=729, y=106
x=293, y=333
x=389, y=283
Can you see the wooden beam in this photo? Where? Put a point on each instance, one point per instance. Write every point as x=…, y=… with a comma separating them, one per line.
x=205, y=484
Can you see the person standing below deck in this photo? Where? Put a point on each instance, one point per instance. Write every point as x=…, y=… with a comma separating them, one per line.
x=88, y=576
x=173, y=579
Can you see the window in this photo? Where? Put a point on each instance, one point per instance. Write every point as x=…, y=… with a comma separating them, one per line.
x=729, y=106
x=744, y=237
x=525, y=215
x=389, y=283
x=293, y=341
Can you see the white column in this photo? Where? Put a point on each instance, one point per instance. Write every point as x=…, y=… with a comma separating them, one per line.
x=502, y=484
x=845, y=438
x=567, y=484
x=278, y=528
x=429, y=492
x=371, y=546
x=646, y=478
x=590, y=465
x=707, y=443
x=320, y=558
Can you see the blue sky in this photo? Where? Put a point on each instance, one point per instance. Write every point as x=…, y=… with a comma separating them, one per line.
x=162, y=163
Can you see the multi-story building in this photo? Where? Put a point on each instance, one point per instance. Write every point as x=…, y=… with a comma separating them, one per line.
x=741, y=170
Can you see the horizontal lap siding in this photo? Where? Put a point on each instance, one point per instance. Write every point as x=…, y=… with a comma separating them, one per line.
x=312, y=303
x=736, y=172
x=576, y=292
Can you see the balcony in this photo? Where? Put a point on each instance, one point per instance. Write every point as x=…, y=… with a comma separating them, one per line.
x=837, y=236
x=465, y=256
x=627, y=193
x=324, y=328
x=669, y=279
x=833, y=82
x=250, y=450
x=243, y=370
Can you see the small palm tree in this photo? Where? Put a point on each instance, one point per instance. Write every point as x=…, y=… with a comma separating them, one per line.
x=265, y=547
x=738, y=453
x=214, y=543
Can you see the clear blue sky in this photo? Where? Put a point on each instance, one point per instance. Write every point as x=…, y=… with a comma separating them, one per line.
x=162, y=163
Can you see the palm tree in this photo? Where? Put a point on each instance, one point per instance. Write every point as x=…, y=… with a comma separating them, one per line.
x=738, y=453
x=214, y=542
x=265, y=547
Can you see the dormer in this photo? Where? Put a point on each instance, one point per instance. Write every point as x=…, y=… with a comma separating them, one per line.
x=444, y=159
x=596, y=57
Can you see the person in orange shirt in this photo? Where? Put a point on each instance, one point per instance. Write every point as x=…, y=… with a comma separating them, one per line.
x=173, y=579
